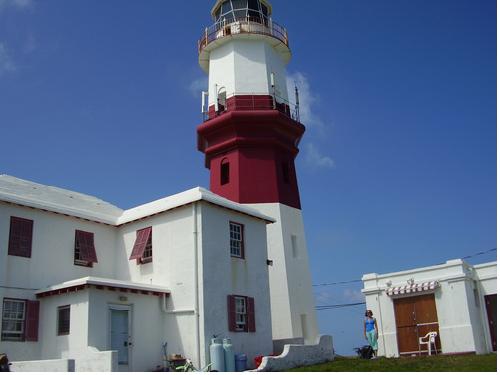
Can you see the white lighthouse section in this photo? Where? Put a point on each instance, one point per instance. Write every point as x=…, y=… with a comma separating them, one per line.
x=292, y=303
x=246, y=65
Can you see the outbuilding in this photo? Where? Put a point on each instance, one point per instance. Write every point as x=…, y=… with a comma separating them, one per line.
x=455, y=300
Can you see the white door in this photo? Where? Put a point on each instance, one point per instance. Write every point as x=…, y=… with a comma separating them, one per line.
x=120, y=335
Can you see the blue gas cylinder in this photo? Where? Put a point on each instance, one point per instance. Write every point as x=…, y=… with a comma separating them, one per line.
x=241, y=362
x=217, y=355
x=229, y=357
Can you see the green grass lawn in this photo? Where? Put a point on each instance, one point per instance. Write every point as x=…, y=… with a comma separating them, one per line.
x=435, y=363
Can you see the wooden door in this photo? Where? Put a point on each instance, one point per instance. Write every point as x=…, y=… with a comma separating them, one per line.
x=491, y=310
x=415, y=317
x=406, y=328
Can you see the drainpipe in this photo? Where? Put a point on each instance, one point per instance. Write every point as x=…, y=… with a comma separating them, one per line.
x=196, y=286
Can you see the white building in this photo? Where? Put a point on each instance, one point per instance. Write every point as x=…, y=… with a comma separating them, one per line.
x=71, y=290
x=83, y=279
x=455, y=300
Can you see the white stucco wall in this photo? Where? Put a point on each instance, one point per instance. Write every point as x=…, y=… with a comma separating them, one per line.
x=244, y=67
x=173, y=267
x=290, y=277
x=147, y=326
x=57, y=233
x=51, y=262
x=224, y=275
x=67, y=346
x=460, y=316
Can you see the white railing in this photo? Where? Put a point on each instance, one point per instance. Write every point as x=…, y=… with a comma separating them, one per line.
x=247, y=25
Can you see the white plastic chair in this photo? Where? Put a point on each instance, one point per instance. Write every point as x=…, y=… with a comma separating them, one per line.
x=429, y=340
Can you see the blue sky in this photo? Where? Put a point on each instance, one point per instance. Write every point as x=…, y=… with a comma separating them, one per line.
x=398, y=167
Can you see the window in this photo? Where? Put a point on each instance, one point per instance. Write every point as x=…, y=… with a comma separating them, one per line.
x=241, y=313
x=13, y=320
x=85, y=254
x=63, y=320
x=285, y=168
x=236, y=240
x=295, y=250
x=20, y=238
x=224, y=172
x=143, y=246
x=20, y=320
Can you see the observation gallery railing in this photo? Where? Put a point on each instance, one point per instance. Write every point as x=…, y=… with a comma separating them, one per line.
x=247, y=25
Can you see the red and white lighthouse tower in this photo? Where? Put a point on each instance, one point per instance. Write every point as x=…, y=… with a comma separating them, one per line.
x=250, y=139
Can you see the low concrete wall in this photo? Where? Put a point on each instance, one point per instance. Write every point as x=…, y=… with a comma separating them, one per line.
x=300, y=355
x=96, y=361
x=279, y=345
x=54, y=365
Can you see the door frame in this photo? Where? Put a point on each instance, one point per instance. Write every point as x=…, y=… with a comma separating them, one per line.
x=129, y=309
x=492, y=334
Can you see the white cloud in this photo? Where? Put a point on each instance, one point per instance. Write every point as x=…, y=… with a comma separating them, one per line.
x=17, y=4
x=323, y=298
x=197, y=86
x=7, y=65
x=353, y=296
x=307, y=100
x=316, y=159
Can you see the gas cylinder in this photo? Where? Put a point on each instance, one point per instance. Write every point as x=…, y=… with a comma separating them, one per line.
x=217, y=355
x=229, y=359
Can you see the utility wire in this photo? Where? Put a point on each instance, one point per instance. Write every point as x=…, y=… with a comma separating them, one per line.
x=338, y=283
x=480, y=253
x=13, y=287
x=358, y=281
x=330, y=307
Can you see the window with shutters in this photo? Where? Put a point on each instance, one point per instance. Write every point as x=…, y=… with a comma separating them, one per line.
x=241, y=314
x=13, y=320
x=20, y=237
x=63, y=320
x=84, y=254
x=143, y=246
x=236, y=240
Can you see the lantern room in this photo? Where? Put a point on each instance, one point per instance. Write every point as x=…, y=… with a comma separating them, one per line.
x=233, y=10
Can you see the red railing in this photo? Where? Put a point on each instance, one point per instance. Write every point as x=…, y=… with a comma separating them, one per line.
x=247, y=25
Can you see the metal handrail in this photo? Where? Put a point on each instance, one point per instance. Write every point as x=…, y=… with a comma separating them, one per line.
x=255, y=102
x=246, y=25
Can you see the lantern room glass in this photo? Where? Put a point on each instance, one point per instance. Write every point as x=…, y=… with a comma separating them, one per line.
x=248, y=10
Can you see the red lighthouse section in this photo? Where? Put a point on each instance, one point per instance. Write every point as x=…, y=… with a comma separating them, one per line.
x=251, y=156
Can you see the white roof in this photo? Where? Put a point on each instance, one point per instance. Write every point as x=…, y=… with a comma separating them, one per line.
x=66, y=202
x=104, y=282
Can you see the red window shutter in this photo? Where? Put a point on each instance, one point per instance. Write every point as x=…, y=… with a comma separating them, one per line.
x=87, y=247
x=251, y=314
x=140, y=243
x=20, y=239
x=32, y=317
x=231, y=313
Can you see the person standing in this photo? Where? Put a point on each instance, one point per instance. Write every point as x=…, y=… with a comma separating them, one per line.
x=371, y=330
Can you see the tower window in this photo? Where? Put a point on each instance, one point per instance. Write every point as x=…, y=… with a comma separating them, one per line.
x=285, y=167
x=224, y=172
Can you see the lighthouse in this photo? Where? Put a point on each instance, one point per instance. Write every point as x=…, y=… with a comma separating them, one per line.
x=250, y=136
